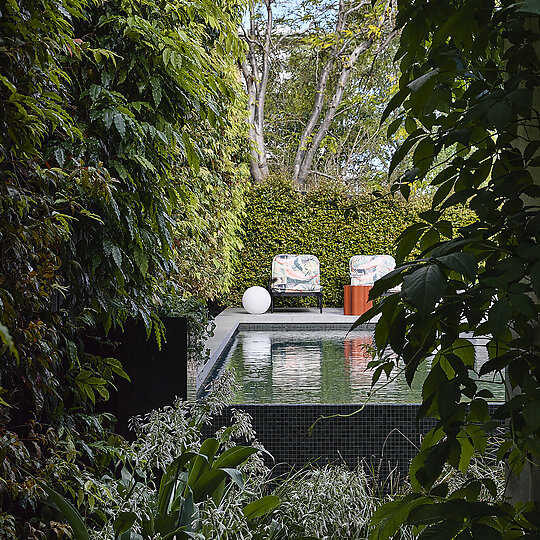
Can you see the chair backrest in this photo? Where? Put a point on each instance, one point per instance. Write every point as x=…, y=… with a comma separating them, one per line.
x=366, y=269
x=295, y=273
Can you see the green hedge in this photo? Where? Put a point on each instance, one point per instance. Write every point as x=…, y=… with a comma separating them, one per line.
x=326, y=222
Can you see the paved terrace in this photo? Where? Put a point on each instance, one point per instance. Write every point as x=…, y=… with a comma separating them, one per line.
x=228, y=321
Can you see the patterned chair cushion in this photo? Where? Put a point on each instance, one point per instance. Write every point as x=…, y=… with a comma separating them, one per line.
x=366, y=269
x=295, y=273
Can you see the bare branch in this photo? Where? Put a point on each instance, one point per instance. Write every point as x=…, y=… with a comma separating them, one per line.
x=319, y=173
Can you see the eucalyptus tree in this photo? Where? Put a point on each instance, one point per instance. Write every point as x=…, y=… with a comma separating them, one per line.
x=469, y=87
x=355, y=149
x=342, y=34
x=326, y=41
x=256, y=70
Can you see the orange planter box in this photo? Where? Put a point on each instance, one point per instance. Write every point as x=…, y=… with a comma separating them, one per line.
x=355, y=299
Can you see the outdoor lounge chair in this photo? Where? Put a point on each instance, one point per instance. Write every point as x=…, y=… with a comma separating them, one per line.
x=367, y=269
x=295, y=275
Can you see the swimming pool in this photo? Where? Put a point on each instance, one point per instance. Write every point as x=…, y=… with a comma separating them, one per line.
x=314, y=366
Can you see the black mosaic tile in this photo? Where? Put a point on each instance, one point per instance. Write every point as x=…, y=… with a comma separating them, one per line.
x=369, y=435
x=381, y=436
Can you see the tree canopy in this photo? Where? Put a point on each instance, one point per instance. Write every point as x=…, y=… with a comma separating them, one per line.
x=316, y=75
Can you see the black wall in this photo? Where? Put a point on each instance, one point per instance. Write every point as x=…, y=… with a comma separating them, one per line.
x=157, y=376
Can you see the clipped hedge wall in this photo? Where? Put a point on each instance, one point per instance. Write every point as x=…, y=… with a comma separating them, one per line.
x=326, y=222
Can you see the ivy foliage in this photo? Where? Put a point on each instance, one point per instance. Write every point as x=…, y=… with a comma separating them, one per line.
x=105, y=107
x=327, y=222
x=469, y=74
x=207, y=229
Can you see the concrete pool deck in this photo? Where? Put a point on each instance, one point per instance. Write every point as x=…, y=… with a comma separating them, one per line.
x=229, y=320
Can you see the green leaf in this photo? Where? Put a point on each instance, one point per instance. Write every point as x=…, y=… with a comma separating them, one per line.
x=394, y=103
x=464, y=349
x=6, y=338
x=479, y=410
x=408, y=239
x=429, y=239
x=120, y=123
x=108, y=116
x=529, y=6
x=191, y=154
x=440, y=490
x=524, y=304
x=234, y=456
x=498, y=317
x=445, y=228
x=156, y=90
x=117, y=255
x=59, y=155
x=390, y=516
x=500, y=114
x=123, y=522
x=432, y=513
x=531, y=414
x=410, y=124
x=445, y=530
x=424, y=287
x=236, y=476
x=403, y=149
x=8, y=83
x=424, y=154
x=207, y=484
x=189, y=510
x=467, y=452
x=423, y=79
x=260, y=507
x=535, y=278
x=464, y=263
x=141, y=260
x=393, y=127
x=480, y=531
x=375, y=310
x=202, y=462
x=80, y=531
x=478, y=436
x=442, y=192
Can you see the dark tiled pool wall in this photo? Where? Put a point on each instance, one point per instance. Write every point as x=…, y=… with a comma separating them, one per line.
x=380, y=435
x=319, y=326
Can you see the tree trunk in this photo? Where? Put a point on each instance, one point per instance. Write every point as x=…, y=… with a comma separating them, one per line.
x=256, y=81
x=307, y=157
x=312, y=136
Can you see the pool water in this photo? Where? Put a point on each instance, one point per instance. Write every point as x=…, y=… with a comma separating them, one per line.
x=317, y=367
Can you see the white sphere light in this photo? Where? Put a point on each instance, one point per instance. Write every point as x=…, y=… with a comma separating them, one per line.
x=256, y=300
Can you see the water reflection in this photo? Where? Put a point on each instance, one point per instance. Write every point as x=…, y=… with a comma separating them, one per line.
x=313, y=367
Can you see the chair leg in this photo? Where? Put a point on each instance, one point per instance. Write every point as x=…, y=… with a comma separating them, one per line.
x=271, y=303
x=320, y=302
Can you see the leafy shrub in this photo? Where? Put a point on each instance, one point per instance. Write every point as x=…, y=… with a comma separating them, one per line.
x=327, y=222
x=176, y=304
x=478, y=103
x=170, y=481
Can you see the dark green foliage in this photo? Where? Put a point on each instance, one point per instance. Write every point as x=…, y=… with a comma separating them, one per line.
x=469, y=73
x=326, y=222
x=175, y=304
x=207, y=228
x=99, y=104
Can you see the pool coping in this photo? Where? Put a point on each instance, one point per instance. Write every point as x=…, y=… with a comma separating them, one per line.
x=231, y=320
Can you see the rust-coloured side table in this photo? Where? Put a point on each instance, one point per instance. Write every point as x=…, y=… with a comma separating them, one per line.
x=355, y=299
